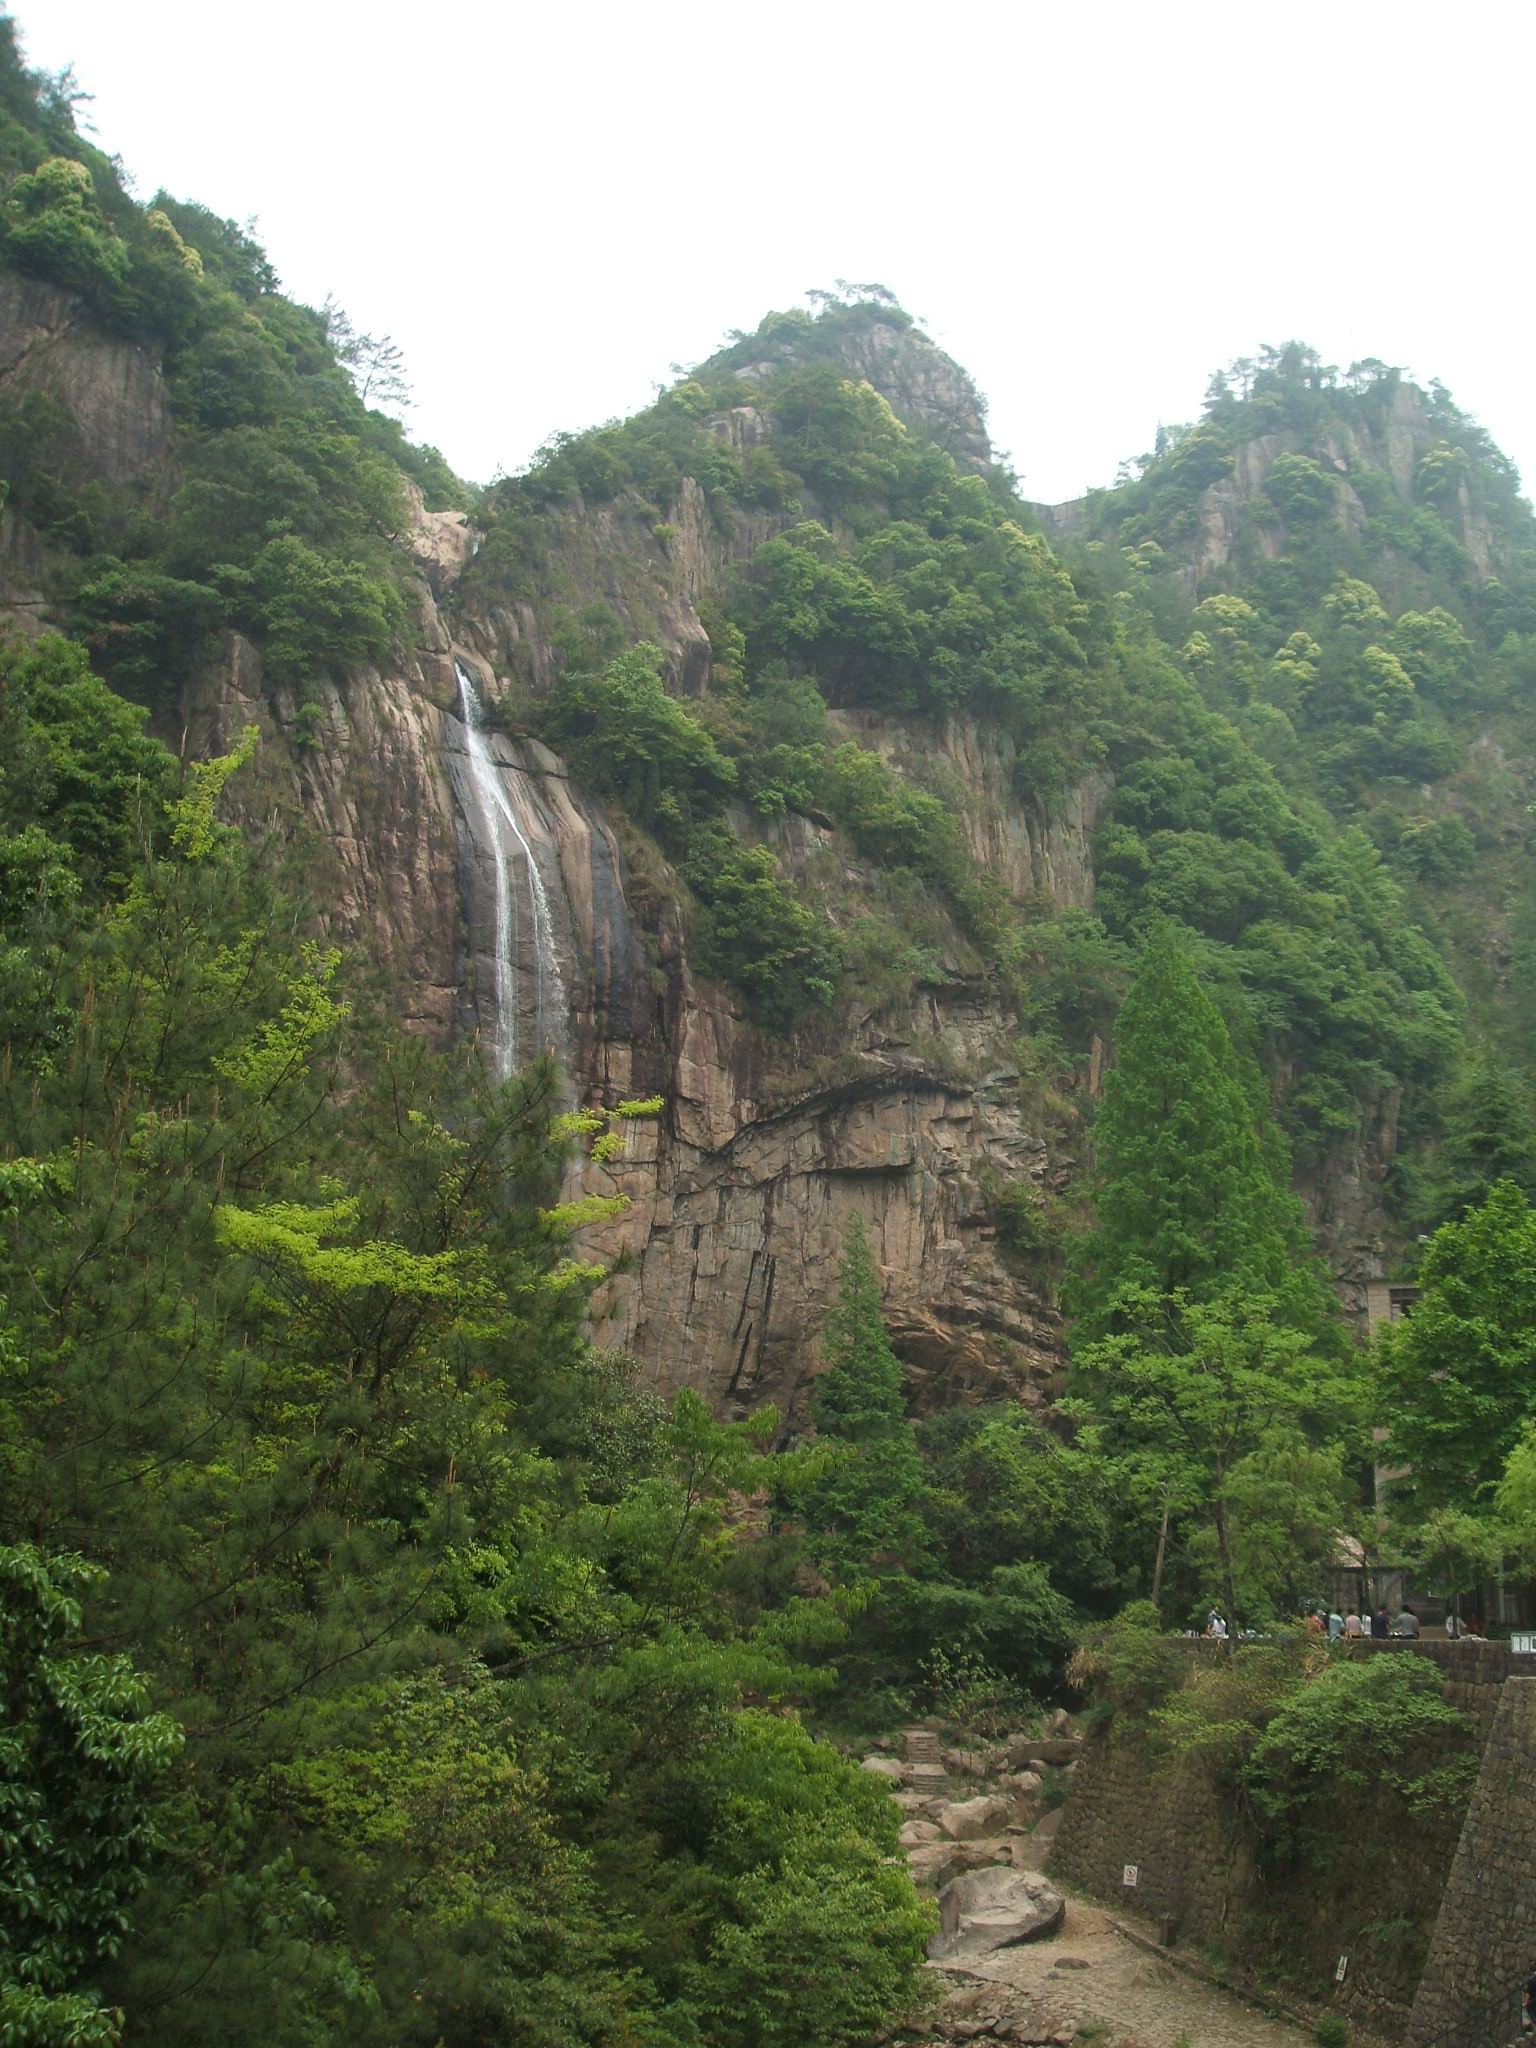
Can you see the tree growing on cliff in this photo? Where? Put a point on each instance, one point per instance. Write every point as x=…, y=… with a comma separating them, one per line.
x=863, y=1503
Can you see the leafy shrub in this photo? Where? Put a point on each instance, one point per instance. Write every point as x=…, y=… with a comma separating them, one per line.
x=628, y=737
x=55, y=228
x=758, y=933
x=1128, y=1666
x=1372, y=1722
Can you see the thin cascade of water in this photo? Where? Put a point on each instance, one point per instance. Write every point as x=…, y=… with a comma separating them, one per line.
x=487, y=780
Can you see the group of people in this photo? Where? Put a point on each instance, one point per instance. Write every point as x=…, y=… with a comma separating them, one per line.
x=1379, y=1624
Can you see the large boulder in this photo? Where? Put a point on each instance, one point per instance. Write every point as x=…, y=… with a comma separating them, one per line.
x=883, y=1767
x=966, y=1820
x=982, y=1910
x=967, y=1763
x=916, y=1832
x=1060, y=1749
x=1023, y=1784
x=935, y=1863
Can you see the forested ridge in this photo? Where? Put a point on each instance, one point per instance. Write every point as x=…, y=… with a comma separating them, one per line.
x=385, y=1663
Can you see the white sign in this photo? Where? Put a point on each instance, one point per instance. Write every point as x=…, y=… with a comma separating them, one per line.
x=1131, y=1873
x=1342, y=1971
x=1523, y=1646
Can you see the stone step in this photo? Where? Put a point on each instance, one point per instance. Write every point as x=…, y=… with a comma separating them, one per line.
x=921, y=1745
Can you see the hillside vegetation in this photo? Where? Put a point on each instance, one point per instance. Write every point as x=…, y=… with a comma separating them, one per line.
x=383, y=1663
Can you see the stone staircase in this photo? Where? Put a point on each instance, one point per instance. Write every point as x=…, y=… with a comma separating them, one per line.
x=921, y=1762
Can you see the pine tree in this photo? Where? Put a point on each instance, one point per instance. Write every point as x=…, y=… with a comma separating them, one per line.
x=864, y=1507
x=1191, y=1172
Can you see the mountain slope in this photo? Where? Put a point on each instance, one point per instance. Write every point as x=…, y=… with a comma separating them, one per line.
x=851, y=867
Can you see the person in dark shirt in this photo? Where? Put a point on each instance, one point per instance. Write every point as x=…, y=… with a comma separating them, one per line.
x=1380, y=1626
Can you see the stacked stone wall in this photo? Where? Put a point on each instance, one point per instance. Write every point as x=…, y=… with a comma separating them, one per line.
x=1483, y=1950
x=1196, y=1855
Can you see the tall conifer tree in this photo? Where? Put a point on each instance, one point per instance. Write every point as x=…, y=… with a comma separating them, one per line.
x=1191, y=1171
x=865, y=1510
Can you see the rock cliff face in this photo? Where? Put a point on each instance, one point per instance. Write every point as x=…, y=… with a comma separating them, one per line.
x=909, y=1112
x=743, y=1189
x=919, y=382
x=1392, y=449
x=103, y=408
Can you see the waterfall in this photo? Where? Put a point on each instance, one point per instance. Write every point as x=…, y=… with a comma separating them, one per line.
x=504, y=839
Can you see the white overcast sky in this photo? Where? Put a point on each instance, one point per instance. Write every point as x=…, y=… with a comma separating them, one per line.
x=1091, y=206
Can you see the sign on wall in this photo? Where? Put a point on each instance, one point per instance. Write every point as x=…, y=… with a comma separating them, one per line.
x=1132, y=1872
x=1523, y=1645
x=1342, y=1971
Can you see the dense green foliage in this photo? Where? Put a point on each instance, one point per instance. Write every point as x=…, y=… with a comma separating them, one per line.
x=271, y=506
x=79, y=1753
x=1457, y=1378
x=1192, y=1188
x=487, y=1734
x=1208, y=1366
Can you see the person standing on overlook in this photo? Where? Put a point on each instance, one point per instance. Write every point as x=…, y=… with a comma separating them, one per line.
x=1353, y=1626
x=1380, y=1627
x=1335, y=1624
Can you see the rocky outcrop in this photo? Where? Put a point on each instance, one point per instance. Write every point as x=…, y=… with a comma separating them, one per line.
x=107, y=393
x=98, y=406
x=921, y=384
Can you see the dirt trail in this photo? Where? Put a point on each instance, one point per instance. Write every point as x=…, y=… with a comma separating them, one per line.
x=1141, y=2001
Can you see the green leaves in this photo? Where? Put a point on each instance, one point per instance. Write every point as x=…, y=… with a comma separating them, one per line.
x=464, y=1629
x=1359, y=1724
x=1457, y=1379
x=865, y=1510
x=1187, y=1192
x=79, y=1755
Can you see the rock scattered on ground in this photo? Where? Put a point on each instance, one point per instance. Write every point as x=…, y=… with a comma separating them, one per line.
x=967, y=1820
x=994, y=1908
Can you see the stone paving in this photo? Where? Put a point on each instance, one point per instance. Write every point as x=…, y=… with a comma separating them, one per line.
x=1140, y=2000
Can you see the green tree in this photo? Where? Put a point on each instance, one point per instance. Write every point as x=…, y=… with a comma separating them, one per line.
x=1457, y=1378
x=79, y=1755
x=1189, y=1175
x=1210, y=1406
x=865, y=1506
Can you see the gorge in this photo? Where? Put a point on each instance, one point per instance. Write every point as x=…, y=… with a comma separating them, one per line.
x=675, y=1122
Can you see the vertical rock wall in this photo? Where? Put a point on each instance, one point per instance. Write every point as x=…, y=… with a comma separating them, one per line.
x=1483, y=1949
x=1197, y=1860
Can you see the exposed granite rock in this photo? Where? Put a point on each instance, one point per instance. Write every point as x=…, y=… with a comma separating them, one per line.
x=110, y=390
x=991, y=1909
x=921, y=384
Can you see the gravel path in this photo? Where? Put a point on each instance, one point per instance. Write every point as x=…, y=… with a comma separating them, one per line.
x=1141, y=2001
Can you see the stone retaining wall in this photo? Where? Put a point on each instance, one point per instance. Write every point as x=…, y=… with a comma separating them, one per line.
x=1483, y=1948
x=1195, y=1853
